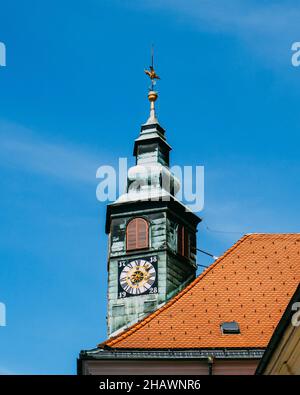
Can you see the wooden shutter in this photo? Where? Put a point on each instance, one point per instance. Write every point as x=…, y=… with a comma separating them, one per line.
x=180, y=239
x=137, y=234
x=142, y=233
x=131, y=235
x=183, y=247
x=186, y=249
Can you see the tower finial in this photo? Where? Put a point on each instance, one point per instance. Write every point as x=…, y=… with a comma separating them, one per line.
x=152, y=95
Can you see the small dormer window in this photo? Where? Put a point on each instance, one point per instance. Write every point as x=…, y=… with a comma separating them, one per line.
x=137, y=234
x=231, y=327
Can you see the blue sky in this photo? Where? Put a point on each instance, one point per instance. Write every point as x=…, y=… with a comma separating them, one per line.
x=72, y=98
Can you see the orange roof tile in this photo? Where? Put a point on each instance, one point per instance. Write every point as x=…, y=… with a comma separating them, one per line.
x=251, y=283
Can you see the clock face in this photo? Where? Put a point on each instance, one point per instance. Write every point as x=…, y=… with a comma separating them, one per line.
x=137, y=276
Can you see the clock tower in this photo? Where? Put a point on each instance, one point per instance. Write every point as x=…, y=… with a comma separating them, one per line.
x=152, y=236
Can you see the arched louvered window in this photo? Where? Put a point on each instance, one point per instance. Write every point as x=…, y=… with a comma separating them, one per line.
x=183, y=244
x=137, y=234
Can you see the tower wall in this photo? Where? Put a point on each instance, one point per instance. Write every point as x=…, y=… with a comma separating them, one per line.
x=128, y=310
x=173, y=271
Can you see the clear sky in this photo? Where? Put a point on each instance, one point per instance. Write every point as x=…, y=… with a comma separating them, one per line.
x=73, y=97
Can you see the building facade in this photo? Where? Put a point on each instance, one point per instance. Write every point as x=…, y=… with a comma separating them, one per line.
x=282, y=356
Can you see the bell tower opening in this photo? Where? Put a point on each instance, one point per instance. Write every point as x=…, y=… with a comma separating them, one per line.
x=137, y=234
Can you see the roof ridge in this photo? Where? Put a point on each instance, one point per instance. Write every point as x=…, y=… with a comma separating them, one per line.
x=111, y=341
x=273, y=234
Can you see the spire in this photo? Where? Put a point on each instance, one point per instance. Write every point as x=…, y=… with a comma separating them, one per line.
x=152, y=95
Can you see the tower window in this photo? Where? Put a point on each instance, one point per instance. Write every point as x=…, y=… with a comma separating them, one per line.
x=183, y=242
x=137, y=234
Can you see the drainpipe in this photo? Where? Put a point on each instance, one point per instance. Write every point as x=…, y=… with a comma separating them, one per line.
x=210, y=361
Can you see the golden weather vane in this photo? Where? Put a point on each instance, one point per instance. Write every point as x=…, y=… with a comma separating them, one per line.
x=151, y=73
x=152, y=95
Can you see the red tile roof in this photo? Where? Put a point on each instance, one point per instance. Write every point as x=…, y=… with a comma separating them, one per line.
x=251, y=284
